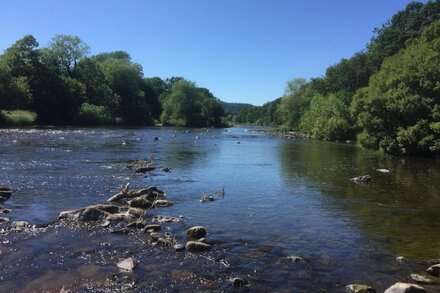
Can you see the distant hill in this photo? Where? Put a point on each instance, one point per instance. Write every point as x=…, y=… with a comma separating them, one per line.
x=235, y=108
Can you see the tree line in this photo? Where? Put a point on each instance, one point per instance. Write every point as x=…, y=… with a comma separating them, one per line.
x=64, y=85
x=387, y=96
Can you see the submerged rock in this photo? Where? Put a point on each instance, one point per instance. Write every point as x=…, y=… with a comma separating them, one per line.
x=127, y=264
x=362, y=179
x=5, y=210
x=405, y=288
x=295, y=258
x=148, y=167
x=196, y=232
x=165, y=219
x=196, y=246
x=206, y=198
x=239, y=282
x=166, y=169
x=434, y=270
x=359, y=288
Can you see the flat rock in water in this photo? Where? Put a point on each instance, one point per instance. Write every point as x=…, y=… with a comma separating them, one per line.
x=405, y=288
x=296, y=258
x=152, y=227
x=92, y=214
x=4, y=219
x=362, y=179
x=359, y=288
x=196, y=246
x=72, y=214
x=434, y=270
x=127, y=264
x=6, y=194
x=401, y=259
x=383, y=170
x=421, y=279
x=206, y=198
x=196, y=232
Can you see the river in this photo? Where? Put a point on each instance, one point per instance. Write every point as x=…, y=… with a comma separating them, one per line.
x=282, y=197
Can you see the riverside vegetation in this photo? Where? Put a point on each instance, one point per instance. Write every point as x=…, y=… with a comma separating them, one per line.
x=385, y=97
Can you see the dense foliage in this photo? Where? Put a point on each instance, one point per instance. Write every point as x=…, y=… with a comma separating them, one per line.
x=63, y=85
x=386, y=96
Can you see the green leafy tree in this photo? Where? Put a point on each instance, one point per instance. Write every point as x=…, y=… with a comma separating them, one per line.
x=67, y=52
x=398, y=111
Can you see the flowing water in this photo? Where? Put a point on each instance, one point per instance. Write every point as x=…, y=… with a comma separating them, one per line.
x=282, y=198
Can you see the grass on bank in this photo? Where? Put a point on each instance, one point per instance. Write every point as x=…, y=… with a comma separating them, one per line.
x=17, y=118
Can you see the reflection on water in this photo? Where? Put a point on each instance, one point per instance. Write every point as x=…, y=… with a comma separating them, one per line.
x=282, y=197
x=400, y=207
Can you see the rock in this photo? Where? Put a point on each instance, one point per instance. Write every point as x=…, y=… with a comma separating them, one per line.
x=295, y=258
x=152, y=227
x=166, y=169
x=405, y=288
x=164, y=219
x=112, y=209
x=164, y=242
x=206, y=198
x=362, y=179
x=421, y=279
x=156, y=138
x=401, y=259
x=359, y=288
x=239, y=282
x=135, y=213
x=162, y=203
x=140, y=202
x=20, y=224
x=155, y=236
x=383, y=170
x=196, y=232
x=179, y=247
x=127, y=264
x=6, y=194
x=4, y=219
x=148, y=167
x=434, y=270
x=5, y=210
x=92, y=214
x=137, y=224
x=196, y=246
x=73, y=214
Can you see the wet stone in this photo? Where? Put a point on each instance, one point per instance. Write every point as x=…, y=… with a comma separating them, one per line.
x=359, y=288
x=179, y=247
x=434, y=270
x=401, y=259
x=162, y=203
x=405, y=288
x=155, y=236
x=239, y=282
x=296, y=259
x=4, y=219
x=421, y=279
x=140, y=202
x=196, y=232
x=196, y=246
x=364, y=179
x=126, y=265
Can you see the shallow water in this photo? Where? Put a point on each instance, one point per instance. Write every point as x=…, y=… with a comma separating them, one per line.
x=282, y=197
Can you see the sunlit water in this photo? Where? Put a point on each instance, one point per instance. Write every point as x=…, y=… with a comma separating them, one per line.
x=282, y=197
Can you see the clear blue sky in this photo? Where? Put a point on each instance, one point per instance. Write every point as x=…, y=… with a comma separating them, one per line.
x=242, y=50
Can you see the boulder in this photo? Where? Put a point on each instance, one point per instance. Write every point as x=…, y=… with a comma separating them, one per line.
x=196, y=246
x=364, y=179
x=112, y=209
x=179, y=247
x=135, y=213
x=4, y=219
x=405, y=288
x=434, y=270
x=359, y=288
x=196, y=232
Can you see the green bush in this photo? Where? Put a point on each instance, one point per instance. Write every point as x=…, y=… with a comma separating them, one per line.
x=17, y=118
x=90, y=114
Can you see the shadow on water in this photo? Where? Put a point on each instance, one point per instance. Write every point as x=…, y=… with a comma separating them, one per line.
x=400, y=207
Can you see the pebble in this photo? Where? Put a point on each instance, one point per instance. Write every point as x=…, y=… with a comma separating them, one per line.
x=196, y=232
x=127, y=264
x=179, y=247
x=196, y=246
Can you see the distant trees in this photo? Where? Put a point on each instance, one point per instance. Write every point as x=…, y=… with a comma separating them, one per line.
x=64, y=85
x=184, y=104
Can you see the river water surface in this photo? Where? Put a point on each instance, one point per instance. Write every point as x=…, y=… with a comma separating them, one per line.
x=282, y=198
